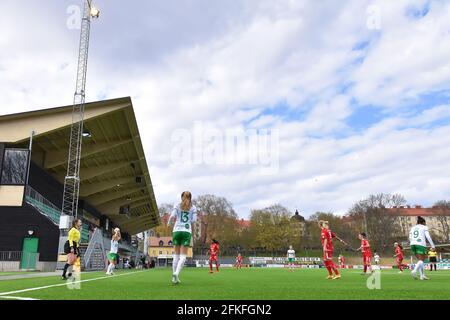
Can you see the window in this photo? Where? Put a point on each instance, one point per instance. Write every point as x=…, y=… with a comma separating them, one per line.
x=15, y=167
x=161, y=243
x=170, y=243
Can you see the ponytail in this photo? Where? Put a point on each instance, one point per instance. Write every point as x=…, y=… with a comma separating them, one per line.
x=186, y=201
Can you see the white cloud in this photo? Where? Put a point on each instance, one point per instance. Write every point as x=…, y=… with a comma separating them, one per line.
x=255, y=56
x=409, y=58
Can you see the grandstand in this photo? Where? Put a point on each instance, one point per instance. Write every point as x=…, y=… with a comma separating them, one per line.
x=116, y=189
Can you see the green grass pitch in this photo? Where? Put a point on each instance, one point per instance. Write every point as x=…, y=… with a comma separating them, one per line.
x=231, y=284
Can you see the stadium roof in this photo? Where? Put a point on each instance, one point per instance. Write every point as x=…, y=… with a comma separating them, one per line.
x=114, y=170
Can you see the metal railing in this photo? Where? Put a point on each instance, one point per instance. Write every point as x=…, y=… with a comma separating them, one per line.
x=44, y=206
x=95, y=242
x=51, y=211
x=10, y=256
x=18, y=260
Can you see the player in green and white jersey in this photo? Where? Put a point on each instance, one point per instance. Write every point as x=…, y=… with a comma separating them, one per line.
x=184, y=215
x=418, y=237
x=291, y=257
x=113, y=254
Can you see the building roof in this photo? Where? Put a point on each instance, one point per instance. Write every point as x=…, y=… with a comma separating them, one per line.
x=154, y=241
x=244, y=223
x=419, y=211
x=114, y=170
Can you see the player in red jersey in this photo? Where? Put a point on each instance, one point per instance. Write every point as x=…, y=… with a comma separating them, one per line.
x=341, y=261
x=327, y=244
x=399, y=256
x=366, y=252
x=239, y=261
x=213, y=255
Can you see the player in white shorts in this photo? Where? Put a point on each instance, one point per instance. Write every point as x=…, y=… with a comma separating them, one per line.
x=184, y=215
x=113, y=253
x=376, y=258
x=418, y=237
x=291, y=257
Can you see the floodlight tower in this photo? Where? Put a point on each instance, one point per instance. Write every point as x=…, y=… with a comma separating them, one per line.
x=72, y=179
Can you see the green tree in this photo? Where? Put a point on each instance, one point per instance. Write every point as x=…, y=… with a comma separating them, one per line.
x=271, y=228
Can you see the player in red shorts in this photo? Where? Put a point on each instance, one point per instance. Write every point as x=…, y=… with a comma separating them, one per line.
x=366, y=252
x=327, y=244
x=239, y=261
x=399, y=256
x=213, y=254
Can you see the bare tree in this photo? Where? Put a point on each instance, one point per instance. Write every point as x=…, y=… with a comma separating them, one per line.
x=374, y=219
x=219, y=218
x=339, y=226
x=165, y=208
x=443, y=208
x=163, y=230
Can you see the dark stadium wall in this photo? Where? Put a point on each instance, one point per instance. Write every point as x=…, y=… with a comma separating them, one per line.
x=2, y=151
x=92, y=210
x=46, y=185
x=16, y=221
x=52, y=190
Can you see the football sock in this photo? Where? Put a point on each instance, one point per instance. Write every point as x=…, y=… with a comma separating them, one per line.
x=365, y=268
x=66, y=266
x=329, y=271
x=421, y=269
x=180, y=264
x=210, y=266
x=176, y=258
x=417, y=266
x=217, y=266
x=333, y=267
x=112, y=268
x=327, y=265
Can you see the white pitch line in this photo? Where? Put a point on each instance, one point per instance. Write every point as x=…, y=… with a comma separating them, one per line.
x=64, y=284
x=17, y=298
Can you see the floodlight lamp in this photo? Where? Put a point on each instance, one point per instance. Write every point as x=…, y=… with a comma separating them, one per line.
x=87, y=134
x=95, y=13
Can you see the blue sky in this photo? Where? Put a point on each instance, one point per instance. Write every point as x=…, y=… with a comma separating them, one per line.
x=358, y=110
